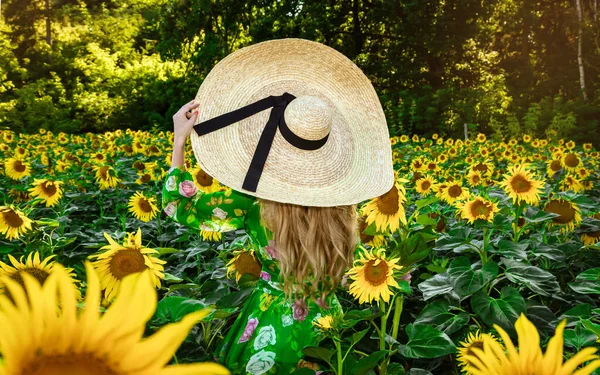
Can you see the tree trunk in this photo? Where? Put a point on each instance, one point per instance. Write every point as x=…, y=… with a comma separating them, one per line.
x=580, y=49
x=48, y=35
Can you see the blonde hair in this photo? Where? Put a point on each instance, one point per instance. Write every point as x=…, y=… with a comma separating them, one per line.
x=315, y=244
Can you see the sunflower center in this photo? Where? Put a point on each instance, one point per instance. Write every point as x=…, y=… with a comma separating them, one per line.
x=571, y=160
x=475, y=179
x=418, y=164
x=376, y=274
x=203, y=178
x=19, y=166
x=520, y=184
x=481, y=167
x=144, y=205
x=39, y=274
x=99, y=157
x=562, y=208
x=246, y=263
x=68, y=364
x=12, y=218
x=139, y=165
x=431, y=166
x=425, y=185
x=145, y=178
x=388, y=202
x=454, y=191
x=128, y=148
x=126, y=262
x=49, y=188
x=104, y=172
x=479, y=208
x=555, y=165
x=154, y=149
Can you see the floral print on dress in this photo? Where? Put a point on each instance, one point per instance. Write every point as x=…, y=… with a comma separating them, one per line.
x=266, y=336
x=299, y=309
x=249, y=330
x=170, y=209
x=271, y=250
x=260, y=363
x=187, y=189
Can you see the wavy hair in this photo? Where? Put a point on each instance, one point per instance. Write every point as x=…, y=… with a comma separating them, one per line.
x=315, y=244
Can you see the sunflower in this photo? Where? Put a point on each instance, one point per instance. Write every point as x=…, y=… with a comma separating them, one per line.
x=583, y=173
x=425, y=185
x=16, y=169
x=591, y=238
x=98, y=158
x=243, y=262
x=48, y=190
x=142, y=207
x=520, y=185
x=13, y=223
x=554, y=166
x=526, y=138
x=571, y=161
x=33, y=266
x=209, y=234
x=570, y=145
x=387, y=210
x=417, y=165
x=373, y=276
x=205, y=182
x=486, y=168
x=569, y=214
x=324, y=323
x=572, y=183
x=404, y=138
x=145, y=178
x=118, y=261
x=477, y=208
x=42, y=334
x=152, y=150
x=453, y=192
x=106, y=177
x=431, y=167
x=474, y=178
x=466, y=347
x=493, y=359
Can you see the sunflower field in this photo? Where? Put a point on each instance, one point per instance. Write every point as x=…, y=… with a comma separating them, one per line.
x=482, y=259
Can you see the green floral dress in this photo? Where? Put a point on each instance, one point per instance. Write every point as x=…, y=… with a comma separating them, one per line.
x=270, y=332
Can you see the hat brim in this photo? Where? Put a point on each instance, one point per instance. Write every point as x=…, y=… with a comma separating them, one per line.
x=354, y=165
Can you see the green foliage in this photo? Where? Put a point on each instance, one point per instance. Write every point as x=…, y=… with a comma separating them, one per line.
x=505, y=68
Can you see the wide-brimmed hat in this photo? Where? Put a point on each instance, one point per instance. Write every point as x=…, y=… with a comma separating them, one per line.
x=293, y=121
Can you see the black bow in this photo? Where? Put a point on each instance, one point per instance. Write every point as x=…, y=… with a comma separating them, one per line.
x=276, y=121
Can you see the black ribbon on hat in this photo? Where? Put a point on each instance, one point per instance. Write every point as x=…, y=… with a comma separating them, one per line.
x=276, y=121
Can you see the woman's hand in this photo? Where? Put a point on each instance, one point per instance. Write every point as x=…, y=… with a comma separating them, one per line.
x=183, y=122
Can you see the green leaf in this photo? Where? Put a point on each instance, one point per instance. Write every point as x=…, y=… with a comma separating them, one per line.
x=357, y=336
x=582, y=311
x=425, y=220
x=317, y=352
x=503, y=311
x=172, y=279
x=536, y=279
x=234, y=299
x=166, y=250
x=366, y=364
x=404, y=286
x=438, y=315
x=510, y=249
x=580, y=337
x=587, y=282
x=303, y=371
x=437, y=285
x=424, y=341
x=371, y=230
x=426, y=201
x=590, y=326
x=418, y=371
x=468, y=281
x=174, y=308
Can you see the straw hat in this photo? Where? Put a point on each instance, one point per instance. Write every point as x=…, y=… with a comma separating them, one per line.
x=323, y=99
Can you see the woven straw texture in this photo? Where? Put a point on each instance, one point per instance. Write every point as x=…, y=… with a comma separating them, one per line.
x=333, y=95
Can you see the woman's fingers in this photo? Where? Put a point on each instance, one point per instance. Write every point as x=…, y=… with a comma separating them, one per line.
x=189, y=106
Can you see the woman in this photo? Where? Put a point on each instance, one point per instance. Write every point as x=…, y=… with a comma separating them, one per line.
x=293, y=185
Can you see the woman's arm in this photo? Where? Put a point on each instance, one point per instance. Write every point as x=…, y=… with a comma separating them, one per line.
x=182, y=126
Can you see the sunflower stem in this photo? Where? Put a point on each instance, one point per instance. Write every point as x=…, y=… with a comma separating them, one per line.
x=397, y=313
x=340, y=360
x=517, y=232
x=382, y=333
x=483, y=252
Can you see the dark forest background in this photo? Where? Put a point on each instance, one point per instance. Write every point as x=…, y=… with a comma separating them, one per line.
x=503, y=67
